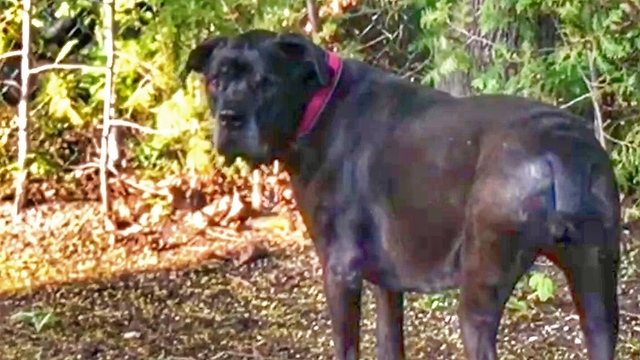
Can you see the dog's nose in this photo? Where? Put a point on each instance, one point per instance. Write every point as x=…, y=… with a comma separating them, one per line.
x=230, y=118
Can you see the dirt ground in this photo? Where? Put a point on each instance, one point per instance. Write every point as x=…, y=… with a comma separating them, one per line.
x=264, y=301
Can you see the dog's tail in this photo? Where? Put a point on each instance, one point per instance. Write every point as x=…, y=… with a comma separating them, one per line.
x=580, y=189
x=561, y=227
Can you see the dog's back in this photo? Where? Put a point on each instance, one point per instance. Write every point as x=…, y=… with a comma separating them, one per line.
x=435, y=160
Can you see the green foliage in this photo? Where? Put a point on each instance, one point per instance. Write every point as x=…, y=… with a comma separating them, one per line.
x=40, y=320
x=534, y=287
x=546, y=49
x=146, y=83
x=543, y=286
x=443, y=301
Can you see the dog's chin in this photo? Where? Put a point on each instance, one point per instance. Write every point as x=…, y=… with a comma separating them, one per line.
x=252, y=160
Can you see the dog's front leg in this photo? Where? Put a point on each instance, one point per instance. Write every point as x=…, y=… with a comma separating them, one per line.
x=389, y=321
x=343, y=288
x=341, y=259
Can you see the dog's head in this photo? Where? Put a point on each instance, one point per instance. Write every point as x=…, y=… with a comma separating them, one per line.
x=258, y=84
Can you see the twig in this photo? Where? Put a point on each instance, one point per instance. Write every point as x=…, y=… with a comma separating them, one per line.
x=312, y=12
x=629, y=314
x=148, y=190
x=417, y=69
x=94, y=165
x=595, y=98
x=595, y=95
x=59, y=66
x=133, y=184
x=470, y=37
x=618, y=141
x=108, y=112
x=10, y=83
x=10, y=54
x=23, y=113
x=576, y=100
x=372, y=42
x=144, y=129
x=221, y=235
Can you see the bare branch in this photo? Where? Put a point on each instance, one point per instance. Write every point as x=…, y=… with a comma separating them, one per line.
x=372, y=42
x=108, y=112
x=620, y=142
x=23, y=113
x=576, y=100
x=470, y=37
x=10, y=54
x=591, y=83
x=312, y=12
x=54, y=66
x=144, y=129
x=48, y=67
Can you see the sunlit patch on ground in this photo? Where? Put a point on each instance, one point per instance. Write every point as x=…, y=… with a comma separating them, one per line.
x=220, y=298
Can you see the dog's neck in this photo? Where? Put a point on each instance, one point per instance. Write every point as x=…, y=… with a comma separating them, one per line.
x=321, y=97
x=307, y=154
x=304, y=156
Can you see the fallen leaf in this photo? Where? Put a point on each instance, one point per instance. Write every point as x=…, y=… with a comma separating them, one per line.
x=256, y=191
x=270, y=223
x=236, y=208
x=250, y=253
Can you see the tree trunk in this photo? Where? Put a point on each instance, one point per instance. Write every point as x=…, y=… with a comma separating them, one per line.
x=107, y=146
x=479, y=46
x=22, y=176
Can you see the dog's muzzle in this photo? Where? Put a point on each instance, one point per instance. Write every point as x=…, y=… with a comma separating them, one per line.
x=231, y=119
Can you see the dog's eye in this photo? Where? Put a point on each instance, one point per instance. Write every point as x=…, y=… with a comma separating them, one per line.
x=212, y=85
x=266, y=80
x=236, y=124
x=259, y=81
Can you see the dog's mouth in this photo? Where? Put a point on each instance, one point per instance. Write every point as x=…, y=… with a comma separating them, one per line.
x=253, y=158
x=230, y=160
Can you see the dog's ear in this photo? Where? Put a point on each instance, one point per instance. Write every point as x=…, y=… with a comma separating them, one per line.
x=198, y=57
x=299, y=48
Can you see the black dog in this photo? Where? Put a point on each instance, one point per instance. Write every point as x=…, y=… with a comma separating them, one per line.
x=415, y=190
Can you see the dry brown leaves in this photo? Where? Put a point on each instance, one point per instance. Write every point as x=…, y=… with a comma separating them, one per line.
x=187, y=209
x=327, y=8
x=202, y=201
x=178, y=220
x=334, y=7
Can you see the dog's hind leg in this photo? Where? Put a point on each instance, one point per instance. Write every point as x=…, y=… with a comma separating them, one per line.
x=492, y=263
x=591, y=268
x=389, y=321
x=588, y=217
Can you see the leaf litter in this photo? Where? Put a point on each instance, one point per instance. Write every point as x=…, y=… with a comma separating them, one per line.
x=220, y=267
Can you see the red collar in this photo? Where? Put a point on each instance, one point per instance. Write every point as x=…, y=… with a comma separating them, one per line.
x=320, y=99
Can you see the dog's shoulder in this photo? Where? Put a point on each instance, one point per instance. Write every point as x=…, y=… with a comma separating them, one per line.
x=378, y=94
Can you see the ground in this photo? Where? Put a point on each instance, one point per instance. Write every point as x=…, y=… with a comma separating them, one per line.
x=260, y=298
